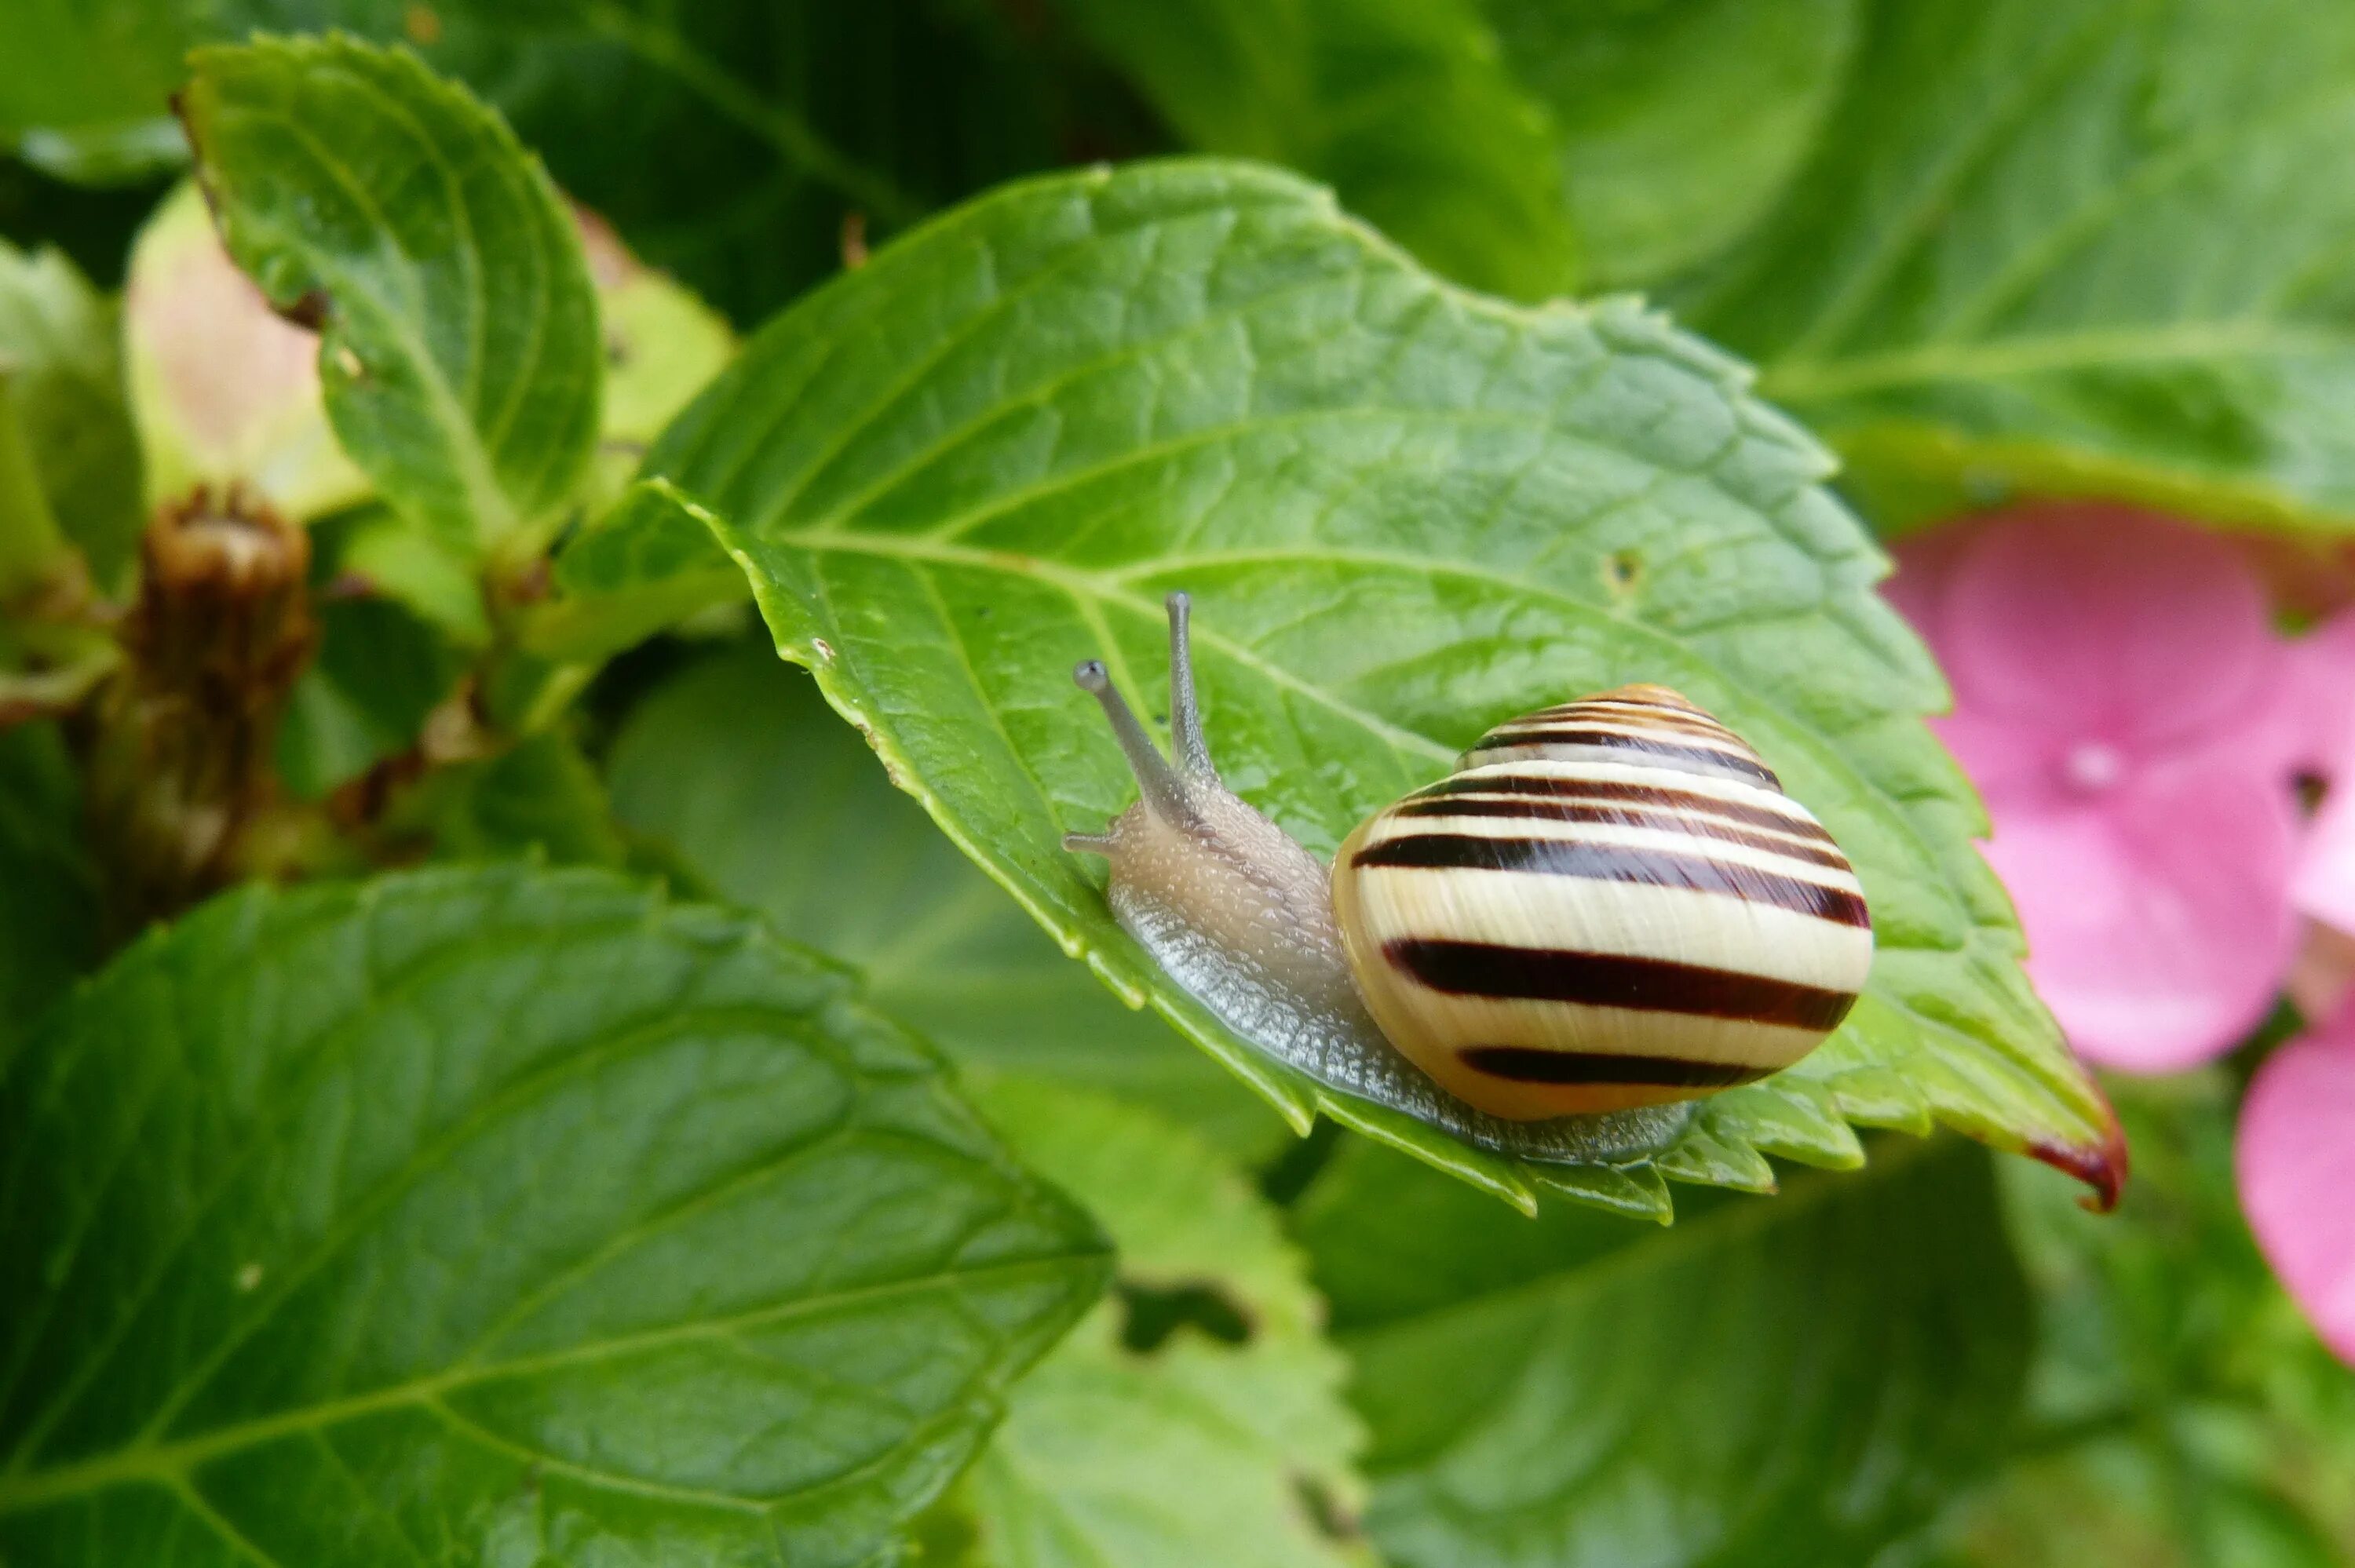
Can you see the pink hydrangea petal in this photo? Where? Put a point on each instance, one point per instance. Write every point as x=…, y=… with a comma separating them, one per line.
x=2156, y=947
x=2295, y=1159
x=2324, y=886
x=2016, y=764
x=2322, y=696
x=2100, y=621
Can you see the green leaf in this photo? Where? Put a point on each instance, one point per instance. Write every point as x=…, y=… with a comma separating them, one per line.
x=1678, y=122
x=1403, y=105
x=49, y=926
x=498, y=1215
x=737, y=766
x=88, y=94
x=1796, y=1382
x=1197, y=1450
x=433, y=582
x=2073, y=247
x=731, y=139
x=61, y=389
x=2181, y=1412
x=378, y=672
x=662, y=346
x=647, y=562
x=1405, y=513
x=537, y=797
x=459, y=349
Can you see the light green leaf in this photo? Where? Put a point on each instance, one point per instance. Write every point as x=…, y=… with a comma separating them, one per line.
x=499, y=1215
x=1796, y=1382
x=647, y=562
x=1194, y=1451
x=61, y=392
x=459, y=349
x=662, y=346
x=1678, y=122
x=739, y=769
x=433, y=581
x=1405, y=513
x=224, y=390
x=2073, y=247
x=1404, y=106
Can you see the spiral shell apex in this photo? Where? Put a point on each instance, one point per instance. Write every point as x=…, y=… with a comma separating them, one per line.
x=1610, y=903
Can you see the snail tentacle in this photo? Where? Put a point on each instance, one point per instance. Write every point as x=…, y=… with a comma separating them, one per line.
x=1192, y=752
x=1161, y=786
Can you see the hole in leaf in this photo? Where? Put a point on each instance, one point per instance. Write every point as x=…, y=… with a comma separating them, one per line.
x=1622, y=570
x=1156, y=1314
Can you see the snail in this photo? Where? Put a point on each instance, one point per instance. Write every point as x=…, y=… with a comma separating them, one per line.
x=1609, y=906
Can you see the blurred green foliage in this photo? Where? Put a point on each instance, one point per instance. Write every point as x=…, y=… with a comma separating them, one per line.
x=565, y=1168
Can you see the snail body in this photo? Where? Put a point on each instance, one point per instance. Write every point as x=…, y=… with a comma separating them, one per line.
x=1609, y=905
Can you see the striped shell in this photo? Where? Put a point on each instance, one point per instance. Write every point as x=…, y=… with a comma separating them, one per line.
x=1610, y=903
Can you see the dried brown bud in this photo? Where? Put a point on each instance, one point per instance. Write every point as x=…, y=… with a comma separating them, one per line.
x=181, y=765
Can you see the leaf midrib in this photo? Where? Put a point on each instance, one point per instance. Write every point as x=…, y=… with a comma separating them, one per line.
x=493, y=511
x=166, y=1462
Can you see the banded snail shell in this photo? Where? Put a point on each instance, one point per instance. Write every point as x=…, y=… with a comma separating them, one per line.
x=1611, y=906
x=1610, y=903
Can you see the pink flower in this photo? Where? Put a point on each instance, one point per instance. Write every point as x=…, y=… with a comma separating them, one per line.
x=2140, y=730
x=2295, y=1161
x=2295, y=1155
x=2130, y=717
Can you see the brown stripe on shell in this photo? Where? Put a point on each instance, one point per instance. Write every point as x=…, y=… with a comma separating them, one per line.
x=1613, y=980
x=1614, y=863
x=1536, y=1065
x=1742, y=763
x=1693, y=824
x=1601, y=789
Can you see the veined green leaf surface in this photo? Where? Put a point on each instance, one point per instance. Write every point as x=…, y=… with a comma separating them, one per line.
x=1793, y=1384
x=49, y=929
x=1198, y=1449
x=458, y=351
x=1678, y=122
x=728, y=138
x=497, y=1215
x=2074, y=247
x=739, y=769
x=1404, y=106
x=1405, y=512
